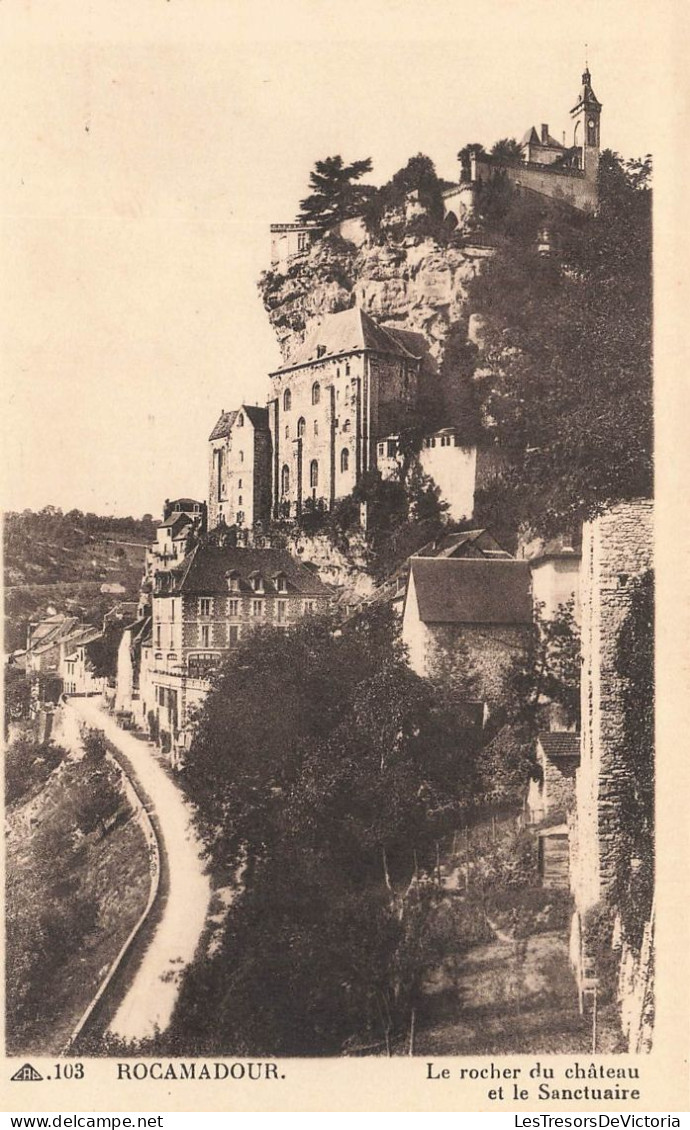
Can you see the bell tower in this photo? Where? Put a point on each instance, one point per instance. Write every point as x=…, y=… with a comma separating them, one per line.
x=586, y=115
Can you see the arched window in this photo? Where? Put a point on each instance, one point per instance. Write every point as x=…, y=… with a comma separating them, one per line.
x=285, y=479
x=301, y=425
x=313, y=473
x=240, y=421
x=347, y=368
x=315, y=392
x=346, y=426
x=316, y=427
x=241, y=455
x=344, y=460
x=287, y=400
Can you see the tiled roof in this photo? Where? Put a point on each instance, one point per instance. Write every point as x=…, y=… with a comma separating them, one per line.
x=256, y=416
x=205, y=571
x=222, y=428
x=560, y=743
x=533, y=138
x=351, y=331
x=472, y=590
x=460, y=545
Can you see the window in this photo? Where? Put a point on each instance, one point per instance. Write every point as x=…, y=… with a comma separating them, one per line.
x=233, y=608
x=205, y=635
x=445, y=441
x=315, y=391
x=257, y=582
x=285, y=480
x=302, y=241
x=233, y=633
x=382, y=449
x=239, y=483
x=287, y=431
x=240, y=455
x=287, y=400
x=309, y=606
x=316, y=427
x=281, y=582
x=392, y=448
x=172, y=610
x=301, y=425
x=240, y=421
x=347, y=368
x=158, y=635
x=257, y=608
x=281, y=611
x=239, y=500
x=313, y=473
x=240, y=517
x=346, y=426
x=233, y=580
x=205, y=605
x=344, y=460
x=321, y=351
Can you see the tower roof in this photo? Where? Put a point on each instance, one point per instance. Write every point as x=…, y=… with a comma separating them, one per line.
x=586, y=97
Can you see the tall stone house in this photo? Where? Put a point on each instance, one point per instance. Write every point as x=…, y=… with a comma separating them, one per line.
x=239, y=491
x=351, y=382
x=183, y=519
x=200, y=612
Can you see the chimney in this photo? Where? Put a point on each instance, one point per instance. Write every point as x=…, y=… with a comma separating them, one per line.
x=544, y=134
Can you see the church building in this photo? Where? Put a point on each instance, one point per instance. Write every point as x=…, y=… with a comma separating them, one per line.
x=350, y=383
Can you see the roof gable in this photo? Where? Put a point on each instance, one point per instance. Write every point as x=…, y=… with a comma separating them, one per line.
x=454, y=590
x=350, y=331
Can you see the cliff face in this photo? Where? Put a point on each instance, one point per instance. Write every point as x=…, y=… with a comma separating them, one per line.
x=415, y=285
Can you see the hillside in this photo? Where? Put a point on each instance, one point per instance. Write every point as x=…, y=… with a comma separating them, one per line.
x=63, y=560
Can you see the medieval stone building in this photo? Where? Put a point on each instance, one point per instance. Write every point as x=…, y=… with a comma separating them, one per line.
x=239, y=491
x=561, y=171
x=348, y=384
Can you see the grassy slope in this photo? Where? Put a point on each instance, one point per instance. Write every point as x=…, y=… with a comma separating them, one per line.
x=101, y=885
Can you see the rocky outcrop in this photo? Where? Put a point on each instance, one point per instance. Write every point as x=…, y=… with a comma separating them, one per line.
x=413, y=284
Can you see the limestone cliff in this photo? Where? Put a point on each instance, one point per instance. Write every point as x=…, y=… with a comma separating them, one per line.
x=414, y=284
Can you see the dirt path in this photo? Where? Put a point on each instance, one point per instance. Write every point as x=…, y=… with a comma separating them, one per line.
x=151, y=996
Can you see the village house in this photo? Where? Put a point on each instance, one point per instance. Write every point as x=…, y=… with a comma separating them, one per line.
x=555, y=566
x=200, y=612
x=443, y=456
x=552, y=792
x=76, y=664
x=351, y=382
x=239, y=492
x=183, y=520
x=476, y=608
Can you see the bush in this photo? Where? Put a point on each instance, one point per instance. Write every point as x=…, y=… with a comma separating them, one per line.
x=28, y=765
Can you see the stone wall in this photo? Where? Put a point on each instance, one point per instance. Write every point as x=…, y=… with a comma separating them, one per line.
x=617, y=549
x=490, y=649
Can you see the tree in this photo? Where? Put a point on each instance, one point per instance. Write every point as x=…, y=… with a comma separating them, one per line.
x=507, y=151
x=322, y=770
x=335, y=195
x=568, y=390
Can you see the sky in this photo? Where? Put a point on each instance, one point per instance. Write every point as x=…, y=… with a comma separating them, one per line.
x=149, y=148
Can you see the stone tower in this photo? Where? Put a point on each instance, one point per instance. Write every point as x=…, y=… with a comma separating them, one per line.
x=586, y=115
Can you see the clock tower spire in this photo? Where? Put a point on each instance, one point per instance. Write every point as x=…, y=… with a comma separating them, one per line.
x=586, y=115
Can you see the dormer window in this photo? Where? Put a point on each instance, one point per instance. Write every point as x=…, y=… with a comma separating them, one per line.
x=257, y=582
x=281, y=582
x=233, y=579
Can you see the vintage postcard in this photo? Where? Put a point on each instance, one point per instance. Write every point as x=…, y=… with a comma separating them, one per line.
x=344, y=557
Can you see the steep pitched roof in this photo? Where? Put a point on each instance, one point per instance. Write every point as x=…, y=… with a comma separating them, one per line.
x=257, y=416
x=350, y=331
x=461, y=544
x=206, y=569
x=560, y=743
x=454, y=590
x=223, y=426
x=531, y=137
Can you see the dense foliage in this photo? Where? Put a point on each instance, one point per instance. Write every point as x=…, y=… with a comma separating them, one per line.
x=565, y=376
x=335, y=195
x=323, y=771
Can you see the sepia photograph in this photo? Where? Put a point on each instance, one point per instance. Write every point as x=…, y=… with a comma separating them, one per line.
x=329, y=542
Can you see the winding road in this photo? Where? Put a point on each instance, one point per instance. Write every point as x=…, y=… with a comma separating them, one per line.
x=150, y=998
